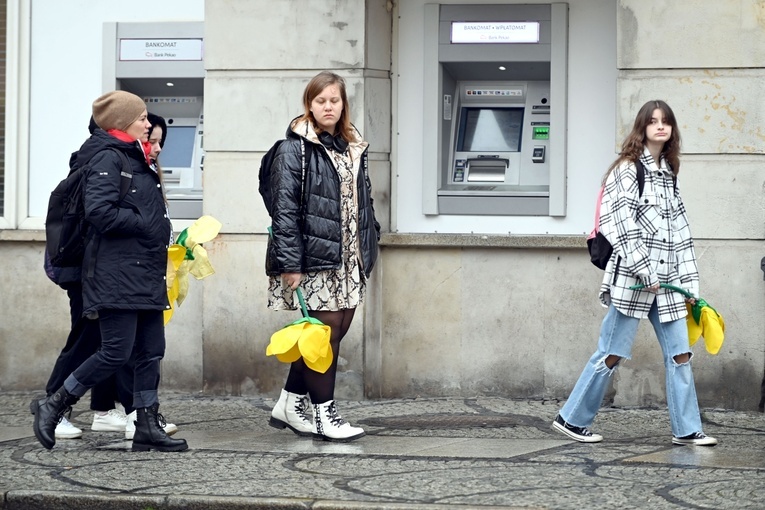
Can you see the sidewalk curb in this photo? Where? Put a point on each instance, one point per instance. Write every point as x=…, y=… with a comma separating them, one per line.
x=45, y=500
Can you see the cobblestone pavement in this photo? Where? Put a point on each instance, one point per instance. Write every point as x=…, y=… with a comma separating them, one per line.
x=483, y=452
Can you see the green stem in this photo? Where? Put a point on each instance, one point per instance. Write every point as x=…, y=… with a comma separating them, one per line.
x=666, y=286
x=302, y=302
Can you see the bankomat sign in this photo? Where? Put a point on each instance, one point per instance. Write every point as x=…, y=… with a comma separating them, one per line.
x=494, y=32
x=160, y=49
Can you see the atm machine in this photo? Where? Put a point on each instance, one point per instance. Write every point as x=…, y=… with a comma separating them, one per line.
x=163, y=64
x=498, y=106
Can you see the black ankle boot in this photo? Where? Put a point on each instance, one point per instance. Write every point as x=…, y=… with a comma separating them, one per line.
x=48, y=412
x=149, y=434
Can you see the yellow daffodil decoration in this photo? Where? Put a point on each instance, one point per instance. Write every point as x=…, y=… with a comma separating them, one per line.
x=702, y=321
x=186, y=257
x=307, y=337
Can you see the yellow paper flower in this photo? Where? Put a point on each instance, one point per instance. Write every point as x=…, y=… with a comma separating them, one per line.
x=711, y=326
x=189, y=257
x=307, y=338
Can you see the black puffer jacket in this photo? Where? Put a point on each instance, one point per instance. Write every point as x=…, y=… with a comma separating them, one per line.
x=128, y=253
x=307, y=233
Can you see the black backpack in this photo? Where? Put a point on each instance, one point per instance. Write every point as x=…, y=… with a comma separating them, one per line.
x=66, y=232
x=264, y=173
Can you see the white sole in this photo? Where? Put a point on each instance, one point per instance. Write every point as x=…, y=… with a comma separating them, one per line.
x=560, y=428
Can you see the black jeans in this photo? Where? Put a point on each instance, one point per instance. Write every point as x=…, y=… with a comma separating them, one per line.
x=83, y=341
x=122, y=332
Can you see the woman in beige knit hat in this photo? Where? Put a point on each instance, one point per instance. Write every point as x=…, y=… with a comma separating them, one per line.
x=124, y=266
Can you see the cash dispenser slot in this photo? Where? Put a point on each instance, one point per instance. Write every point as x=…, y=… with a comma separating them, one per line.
x=487, y=169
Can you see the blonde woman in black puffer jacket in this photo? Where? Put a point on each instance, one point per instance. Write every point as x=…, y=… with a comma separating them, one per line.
x=324, y=241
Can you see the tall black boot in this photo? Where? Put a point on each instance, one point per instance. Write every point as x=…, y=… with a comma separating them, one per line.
x=48, y=412
x=149, y=434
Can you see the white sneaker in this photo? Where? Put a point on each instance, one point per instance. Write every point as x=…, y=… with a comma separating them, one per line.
x=113, y=421
x=65, y=430
x=695, y=439
x=169, y=428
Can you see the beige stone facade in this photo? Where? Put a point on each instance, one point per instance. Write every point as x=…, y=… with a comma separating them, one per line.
x=454, y=313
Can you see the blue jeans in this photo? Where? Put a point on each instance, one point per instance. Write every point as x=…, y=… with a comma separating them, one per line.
x=122, y=331
x=617, y=334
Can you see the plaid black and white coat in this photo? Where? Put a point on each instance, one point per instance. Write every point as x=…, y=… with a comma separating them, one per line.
x=651, y=239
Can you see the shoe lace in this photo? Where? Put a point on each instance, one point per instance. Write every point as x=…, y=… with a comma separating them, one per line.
x=334, y=416
x=301, y=408
x=65, y=411
x=161, y=420
x=118, y=413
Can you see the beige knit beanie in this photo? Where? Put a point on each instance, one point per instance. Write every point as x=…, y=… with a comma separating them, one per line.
x=117, y=110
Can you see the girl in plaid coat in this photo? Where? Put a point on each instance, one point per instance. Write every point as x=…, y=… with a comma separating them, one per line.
x=652, y=245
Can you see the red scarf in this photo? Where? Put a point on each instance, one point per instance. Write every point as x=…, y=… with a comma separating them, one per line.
x=122, y=136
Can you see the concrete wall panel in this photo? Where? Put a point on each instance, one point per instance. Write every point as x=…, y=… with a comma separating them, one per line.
x=524, y=322
x=34, y=318
x=718, y=112
x=231, y=192
x=379, y=33
x=379, y=175
x=699, y=34
x=377, y=121
x=421, y=327
x=283, y=34
x=35, y=323
x=724, y=196
x=249, y=112
x=182, y=366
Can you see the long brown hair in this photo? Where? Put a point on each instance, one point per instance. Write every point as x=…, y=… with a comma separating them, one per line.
x=632, y=148
x=315, y=87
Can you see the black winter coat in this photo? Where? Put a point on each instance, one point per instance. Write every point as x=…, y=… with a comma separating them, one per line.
x=128, y=251
x=306, y=218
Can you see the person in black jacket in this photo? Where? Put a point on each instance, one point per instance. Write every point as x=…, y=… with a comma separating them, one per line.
x=83, y=340
x=324, y=240
x=124, y=269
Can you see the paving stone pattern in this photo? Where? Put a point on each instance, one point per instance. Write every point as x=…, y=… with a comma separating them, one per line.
x=484, y=452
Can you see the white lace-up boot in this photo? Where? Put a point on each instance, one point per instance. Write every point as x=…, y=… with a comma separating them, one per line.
x=330, y=426
x=292, y=411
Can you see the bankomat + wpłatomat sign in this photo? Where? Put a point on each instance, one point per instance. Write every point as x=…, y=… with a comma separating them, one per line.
x=498, y=103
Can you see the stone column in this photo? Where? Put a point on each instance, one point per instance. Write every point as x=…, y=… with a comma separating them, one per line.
x=259, y=55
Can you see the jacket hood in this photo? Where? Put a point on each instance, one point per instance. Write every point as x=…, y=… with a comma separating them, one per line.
x=98, y=141
x=304, y=129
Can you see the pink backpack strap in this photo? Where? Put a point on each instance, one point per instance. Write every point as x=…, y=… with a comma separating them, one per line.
x=596, y=228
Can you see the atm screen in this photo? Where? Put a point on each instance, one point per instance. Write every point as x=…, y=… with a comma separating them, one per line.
x=179, y=147
x=490, y=130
